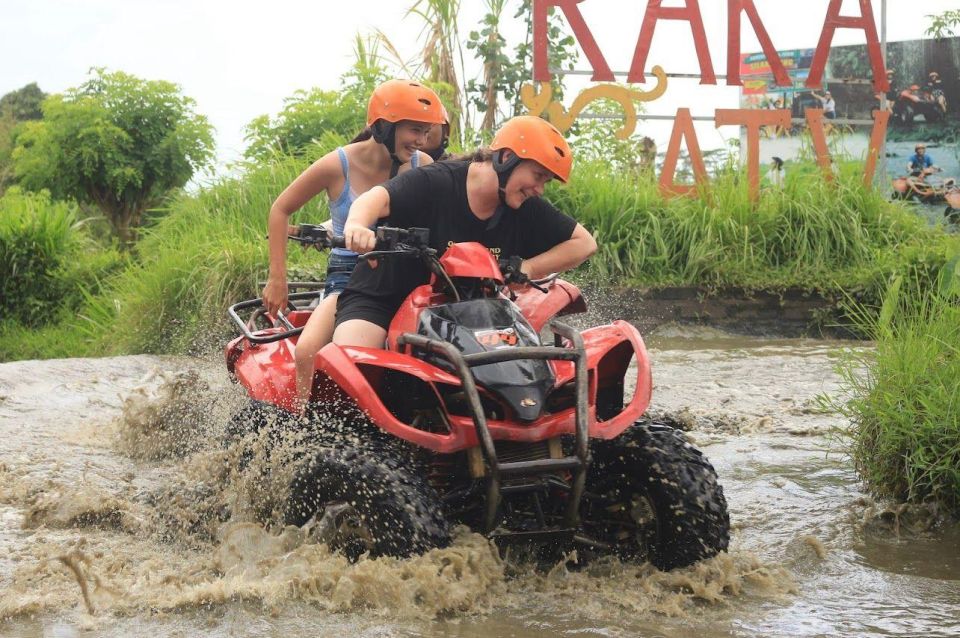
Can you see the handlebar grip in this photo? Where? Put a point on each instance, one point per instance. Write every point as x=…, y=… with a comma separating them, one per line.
x=338, y=241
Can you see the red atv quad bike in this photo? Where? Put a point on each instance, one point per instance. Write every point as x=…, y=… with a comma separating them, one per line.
x=925, y=187
x=467, y=418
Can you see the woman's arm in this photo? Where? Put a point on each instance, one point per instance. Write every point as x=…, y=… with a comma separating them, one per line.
x=364, y=213
x=564, y=256
x=318, y=177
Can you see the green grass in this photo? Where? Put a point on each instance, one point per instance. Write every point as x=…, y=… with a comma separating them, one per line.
x=50, y=264
x=208, y=250
x=812, y=234
x=903, y=398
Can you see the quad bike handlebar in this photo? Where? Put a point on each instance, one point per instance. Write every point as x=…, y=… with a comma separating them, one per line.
x=391, y=242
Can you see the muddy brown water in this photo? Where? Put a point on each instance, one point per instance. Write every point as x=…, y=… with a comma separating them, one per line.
x=110, y=523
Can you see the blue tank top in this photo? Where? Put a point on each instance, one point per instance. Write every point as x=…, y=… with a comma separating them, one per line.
x=340, y=208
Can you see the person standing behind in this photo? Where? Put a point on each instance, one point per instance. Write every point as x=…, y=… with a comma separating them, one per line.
x=400, y=115
x=934, y=87
x=828, y=103
x=438, y=139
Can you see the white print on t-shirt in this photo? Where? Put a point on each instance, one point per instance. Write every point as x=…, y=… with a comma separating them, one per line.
x=495, y=250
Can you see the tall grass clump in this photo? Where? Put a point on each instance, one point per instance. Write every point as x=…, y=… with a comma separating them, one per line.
x=37, y=238
x=903, y=398
x=47, y=259
x=208, y=251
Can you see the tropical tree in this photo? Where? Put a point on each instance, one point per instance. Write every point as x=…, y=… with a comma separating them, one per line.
x=118, y=142
x=497, y=95
x=16, y=107
x=942, y=24
x=441, y=53
x=24, y=103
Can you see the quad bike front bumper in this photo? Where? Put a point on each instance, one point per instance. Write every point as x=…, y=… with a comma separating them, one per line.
x=498, y=470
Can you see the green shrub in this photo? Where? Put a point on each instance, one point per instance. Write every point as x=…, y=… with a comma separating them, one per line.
x=37, y=239
x=903, y=398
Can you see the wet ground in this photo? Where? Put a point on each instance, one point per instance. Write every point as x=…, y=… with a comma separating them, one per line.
x=109, y=522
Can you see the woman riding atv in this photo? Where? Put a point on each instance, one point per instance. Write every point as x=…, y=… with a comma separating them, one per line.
x=400, y=115
x=493, y=198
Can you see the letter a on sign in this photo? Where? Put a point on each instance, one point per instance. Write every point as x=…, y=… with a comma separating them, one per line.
x=682, y=128
x=834, y=21
x=689, y=12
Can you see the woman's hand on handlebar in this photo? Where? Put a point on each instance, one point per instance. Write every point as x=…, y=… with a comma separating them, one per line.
x=275, y=295
x=359, y=238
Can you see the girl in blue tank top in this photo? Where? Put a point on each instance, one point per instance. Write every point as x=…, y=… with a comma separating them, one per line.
x=400, y=115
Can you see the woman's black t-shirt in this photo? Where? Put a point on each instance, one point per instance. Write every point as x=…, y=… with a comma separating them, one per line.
x=435, y=197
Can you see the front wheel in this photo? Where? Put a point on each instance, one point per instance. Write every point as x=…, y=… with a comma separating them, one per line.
x=368, y=497
x=653, y=496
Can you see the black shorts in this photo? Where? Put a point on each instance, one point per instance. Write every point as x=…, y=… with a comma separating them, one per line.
x=355, y=305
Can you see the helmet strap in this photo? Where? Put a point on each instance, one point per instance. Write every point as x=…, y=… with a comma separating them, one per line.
x=385, y=132
x=504, y=168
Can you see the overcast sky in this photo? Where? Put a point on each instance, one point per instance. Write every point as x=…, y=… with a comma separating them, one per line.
x=239, y=58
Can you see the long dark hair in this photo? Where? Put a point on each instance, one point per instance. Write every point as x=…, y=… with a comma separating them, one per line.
x=483, y=154
x=363, y=135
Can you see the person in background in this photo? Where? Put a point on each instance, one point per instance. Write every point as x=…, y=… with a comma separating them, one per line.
x=400, y=115
x=934, y=87
x=776, y=175
x=920, y=164
x=438, y=139
x=892, y=93
x=828, y=103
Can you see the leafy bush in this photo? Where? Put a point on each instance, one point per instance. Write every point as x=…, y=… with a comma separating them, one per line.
x=37, y=239
x=310, y=116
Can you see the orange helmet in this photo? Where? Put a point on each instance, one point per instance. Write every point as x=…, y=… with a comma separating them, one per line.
x=533, y=138
x=397, y=100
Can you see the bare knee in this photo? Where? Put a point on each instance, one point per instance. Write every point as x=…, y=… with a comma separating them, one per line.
x=317, y=333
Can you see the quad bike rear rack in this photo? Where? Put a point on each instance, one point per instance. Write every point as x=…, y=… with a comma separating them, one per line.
x=248, y=327
x=578, y=463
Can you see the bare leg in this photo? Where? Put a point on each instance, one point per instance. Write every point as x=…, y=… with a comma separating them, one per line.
x=316, y=334
x=357, y=332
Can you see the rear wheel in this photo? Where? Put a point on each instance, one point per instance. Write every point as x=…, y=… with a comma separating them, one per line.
x=368, y=497
x=655, y=497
